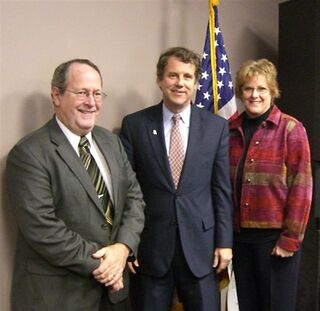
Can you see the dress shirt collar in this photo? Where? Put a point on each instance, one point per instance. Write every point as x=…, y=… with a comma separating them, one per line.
x=185, y=115
x=73, y=138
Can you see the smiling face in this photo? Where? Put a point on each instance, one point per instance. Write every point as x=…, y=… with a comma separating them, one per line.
x=78, y=115
x=178, y=84
x=256, y=96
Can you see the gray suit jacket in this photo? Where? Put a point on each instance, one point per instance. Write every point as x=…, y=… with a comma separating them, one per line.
x=61, y=221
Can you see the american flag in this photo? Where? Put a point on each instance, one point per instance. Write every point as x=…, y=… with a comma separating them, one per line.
x=215, y=88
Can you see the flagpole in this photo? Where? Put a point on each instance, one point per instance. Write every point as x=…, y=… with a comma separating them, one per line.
x=212, y=3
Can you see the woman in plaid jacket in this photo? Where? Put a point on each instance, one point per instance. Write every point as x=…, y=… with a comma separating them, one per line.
x=272, y=184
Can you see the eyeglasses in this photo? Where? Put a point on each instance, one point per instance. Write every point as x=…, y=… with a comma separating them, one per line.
x=84, y=94
x=260, y=90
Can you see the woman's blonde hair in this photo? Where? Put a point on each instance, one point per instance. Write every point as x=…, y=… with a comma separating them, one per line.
x=262, y=67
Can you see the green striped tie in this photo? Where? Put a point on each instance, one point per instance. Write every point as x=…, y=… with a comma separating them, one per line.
x=96, y=177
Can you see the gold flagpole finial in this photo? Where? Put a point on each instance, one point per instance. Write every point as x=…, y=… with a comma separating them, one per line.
x=214, y=2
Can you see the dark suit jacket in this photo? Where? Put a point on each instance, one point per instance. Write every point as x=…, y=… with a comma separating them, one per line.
x=61, y=221
x=201, y=206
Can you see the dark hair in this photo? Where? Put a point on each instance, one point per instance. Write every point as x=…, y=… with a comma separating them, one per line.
x=60, y=75
x=183, y=54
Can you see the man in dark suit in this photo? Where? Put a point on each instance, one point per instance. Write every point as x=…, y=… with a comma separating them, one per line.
x=187, y=237
x=73, y=240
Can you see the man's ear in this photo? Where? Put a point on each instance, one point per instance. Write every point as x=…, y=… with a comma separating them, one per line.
x=158, y=82
x=55, y=96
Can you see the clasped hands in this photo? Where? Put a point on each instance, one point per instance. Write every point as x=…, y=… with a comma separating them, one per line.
x=113, y=259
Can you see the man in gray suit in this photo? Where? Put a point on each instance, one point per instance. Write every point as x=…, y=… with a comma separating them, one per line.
x=73, y=242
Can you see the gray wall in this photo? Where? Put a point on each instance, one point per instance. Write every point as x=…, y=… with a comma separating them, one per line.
x=124, y=38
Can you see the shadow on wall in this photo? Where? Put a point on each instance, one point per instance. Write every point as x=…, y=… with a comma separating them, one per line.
x=36, y=110
x=9, y=234
x=260, y=47
x=128, y=103
x=9, y=229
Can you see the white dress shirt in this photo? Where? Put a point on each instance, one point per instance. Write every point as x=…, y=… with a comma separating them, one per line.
x=184, y=125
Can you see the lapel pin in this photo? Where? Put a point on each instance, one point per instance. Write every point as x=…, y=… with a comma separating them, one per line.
x=154, y=132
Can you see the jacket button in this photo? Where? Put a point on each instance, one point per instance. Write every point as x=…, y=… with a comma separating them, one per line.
x=248, y=180
x=251, y=160
x=246, y=204
x=257, y=142
x=104, y=226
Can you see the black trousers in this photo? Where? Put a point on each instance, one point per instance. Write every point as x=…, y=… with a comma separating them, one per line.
x=156, y=293
x=106, y=305
x=264, y=282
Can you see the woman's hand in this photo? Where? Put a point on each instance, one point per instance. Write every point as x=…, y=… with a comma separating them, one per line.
x=278, y=251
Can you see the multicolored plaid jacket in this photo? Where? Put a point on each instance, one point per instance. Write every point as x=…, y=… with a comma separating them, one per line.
x=277, y=180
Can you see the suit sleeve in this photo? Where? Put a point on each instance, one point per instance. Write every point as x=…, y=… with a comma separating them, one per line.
x=132, y=221
x=221, y=189
x=127, y=142
x=46, y=236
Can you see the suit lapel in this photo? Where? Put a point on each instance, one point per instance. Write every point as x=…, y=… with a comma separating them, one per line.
x=69, y=156
x=155, y=132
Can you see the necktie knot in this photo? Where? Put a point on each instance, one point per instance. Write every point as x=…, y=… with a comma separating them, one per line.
x=176, y=118
x=84, y=142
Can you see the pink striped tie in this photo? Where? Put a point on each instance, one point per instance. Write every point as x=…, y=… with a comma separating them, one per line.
x=176, y=150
